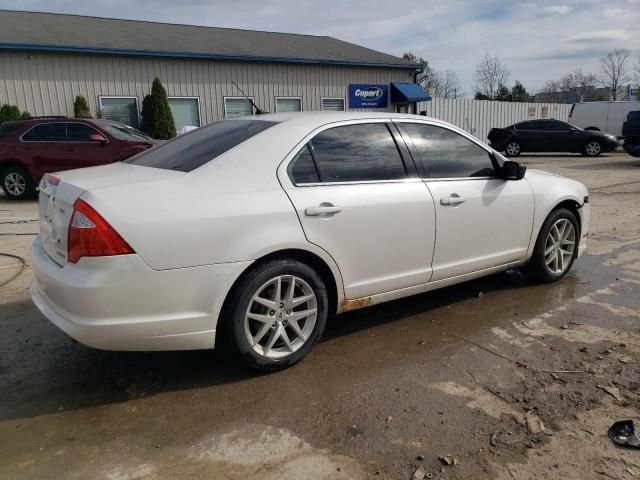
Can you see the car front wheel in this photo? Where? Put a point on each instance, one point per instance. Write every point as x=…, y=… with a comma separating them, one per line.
x=277, y=313
x=592, y=148
x=556, y=247
x=513, y=149
x=17, y=183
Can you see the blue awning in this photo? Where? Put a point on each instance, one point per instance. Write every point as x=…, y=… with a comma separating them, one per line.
x=408, y=92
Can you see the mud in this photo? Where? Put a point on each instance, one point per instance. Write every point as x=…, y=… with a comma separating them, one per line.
x=442, y=372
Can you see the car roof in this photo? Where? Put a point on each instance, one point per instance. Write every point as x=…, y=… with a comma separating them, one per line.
x=318, y=118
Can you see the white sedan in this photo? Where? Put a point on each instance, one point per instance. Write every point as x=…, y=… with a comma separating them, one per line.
x=252, y=231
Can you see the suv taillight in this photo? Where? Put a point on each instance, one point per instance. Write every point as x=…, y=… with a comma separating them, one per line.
x=91, y=236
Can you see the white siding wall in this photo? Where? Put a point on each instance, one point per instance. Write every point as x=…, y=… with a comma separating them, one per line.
x=479, y=116
x=47, y=83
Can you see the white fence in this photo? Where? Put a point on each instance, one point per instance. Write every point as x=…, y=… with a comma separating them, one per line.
x=479, y=116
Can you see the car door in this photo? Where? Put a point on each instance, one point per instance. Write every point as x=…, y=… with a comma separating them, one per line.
x=82, y=150
x=532, y=136
x=562, y=136
x=358, y=199
x=482, y=221
x=44, y=144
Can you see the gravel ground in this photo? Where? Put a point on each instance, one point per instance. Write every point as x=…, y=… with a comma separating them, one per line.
x=464, y=371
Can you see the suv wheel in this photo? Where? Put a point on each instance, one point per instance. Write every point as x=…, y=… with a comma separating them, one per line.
x=17, y=183
x=276, y=314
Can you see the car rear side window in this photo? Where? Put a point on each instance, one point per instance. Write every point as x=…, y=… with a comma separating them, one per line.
x=302, y=168
x=46, y=132
x=7, y=129
x=361, y=152
x=442, y=153
x=192, y=150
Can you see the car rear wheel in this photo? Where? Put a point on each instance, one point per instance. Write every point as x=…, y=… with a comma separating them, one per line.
x=556, y=247
x=17, y=183
x=512, y=149
x=592, y=148
x=278, y=312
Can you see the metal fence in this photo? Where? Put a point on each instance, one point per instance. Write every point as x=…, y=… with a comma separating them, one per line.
x=479, y=116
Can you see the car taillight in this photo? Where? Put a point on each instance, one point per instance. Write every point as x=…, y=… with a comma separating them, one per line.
x=91, y=236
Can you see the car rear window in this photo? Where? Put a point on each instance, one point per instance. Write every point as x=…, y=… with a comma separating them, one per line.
x=7, y=129
x=194, y=149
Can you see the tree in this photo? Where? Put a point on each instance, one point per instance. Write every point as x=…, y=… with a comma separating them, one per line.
x=480, y=96
x=157, y=119
x=614, y=70
x=447, y=85
x=9, y=113
x=519, y=93
x=490, y=74
x=503, y=94
x=425, y=77
x=81, y=108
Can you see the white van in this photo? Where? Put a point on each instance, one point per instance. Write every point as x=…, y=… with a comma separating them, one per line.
x=602, y=116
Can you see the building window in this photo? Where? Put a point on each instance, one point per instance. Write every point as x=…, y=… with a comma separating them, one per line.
x=237, y=107
x=288, y=104
x=185, y=111
x=333, y=104
x=120, y=109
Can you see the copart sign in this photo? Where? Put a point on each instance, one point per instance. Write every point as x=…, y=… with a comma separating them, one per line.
x=364, y=95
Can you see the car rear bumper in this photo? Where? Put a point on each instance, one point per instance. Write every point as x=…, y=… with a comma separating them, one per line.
x=119, y=303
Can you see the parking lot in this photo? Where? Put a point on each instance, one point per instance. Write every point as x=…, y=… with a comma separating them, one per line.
x=513, y=380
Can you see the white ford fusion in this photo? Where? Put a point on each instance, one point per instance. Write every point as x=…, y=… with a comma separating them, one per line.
x=251, y=232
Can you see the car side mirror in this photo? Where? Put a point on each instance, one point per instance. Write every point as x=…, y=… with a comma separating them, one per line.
x=96, y=137
x=513, y=170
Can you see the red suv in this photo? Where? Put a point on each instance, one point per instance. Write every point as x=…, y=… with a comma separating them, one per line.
x=31, y=148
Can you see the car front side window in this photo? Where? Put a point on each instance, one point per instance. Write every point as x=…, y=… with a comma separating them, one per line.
x=443, y=153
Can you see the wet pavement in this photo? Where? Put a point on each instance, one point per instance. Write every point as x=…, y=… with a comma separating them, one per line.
x=513, y=379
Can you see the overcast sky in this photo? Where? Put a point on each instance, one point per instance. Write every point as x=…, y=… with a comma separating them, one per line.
x=537, y=40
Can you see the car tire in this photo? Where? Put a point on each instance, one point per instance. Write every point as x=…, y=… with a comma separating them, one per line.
x=552, y=256
x=260, y=323
x=513, y=148
x=17, y=183
x=592, y=148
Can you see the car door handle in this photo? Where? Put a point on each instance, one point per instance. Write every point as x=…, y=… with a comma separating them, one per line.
x=452, y=200
x=323, y=209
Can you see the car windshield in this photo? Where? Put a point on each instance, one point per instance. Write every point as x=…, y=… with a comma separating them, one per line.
x=122, y=131
x=194, y=149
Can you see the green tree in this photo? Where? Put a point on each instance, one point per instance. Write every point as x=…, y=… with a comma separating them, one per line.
x=481, y=96
x=519, y=93
x=157, y=119
x=503, y=94
x=81, y=108
x=8, y=113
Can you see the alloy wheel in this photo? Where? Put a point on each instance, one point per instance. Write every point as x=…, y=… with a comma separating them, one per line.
x=560, y=246
x=592, y=149
x=281, y=316
x=15, y=184
x=513, y=149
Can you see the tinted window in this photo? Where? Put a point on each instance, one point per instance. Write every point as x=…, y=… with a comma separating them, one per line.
x=79, y=132
x=194, y=149
x=358, y=153
x=442, y=153
x=529, y=126
x=46, y=132
x=302, y=169
x=7, y=129
x=122, y=131
x=552, y=126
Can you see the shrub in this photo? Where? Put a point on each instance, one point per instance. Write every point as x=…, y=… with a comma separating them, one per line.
x=81, y=108
x=157, y=119
x=9, y=113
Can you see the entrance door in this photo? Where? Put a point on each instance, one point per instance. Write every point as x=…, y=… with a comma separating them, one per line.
x=355, y=199
x=482, y=221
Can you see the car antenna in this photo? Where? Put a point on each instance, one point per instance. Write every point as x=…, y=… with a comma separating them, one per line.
x=258, y=109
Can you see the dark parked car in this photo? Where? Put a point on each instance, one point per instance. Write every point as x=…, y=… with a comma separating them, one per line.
x=550, y=136
x=631, y=134
x=31, y=148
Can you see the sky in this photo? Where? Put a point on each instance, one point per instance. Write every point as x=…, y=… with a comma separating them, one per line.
x=537, y=40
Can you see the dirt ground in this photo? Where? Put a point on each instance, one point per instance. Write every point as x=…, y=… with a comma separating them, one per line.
x=464, y=370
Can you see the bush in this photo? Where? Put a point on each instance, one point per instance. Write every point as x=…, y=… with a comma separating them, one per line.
x=157, y=119
x=9, y=113
x=81, y=108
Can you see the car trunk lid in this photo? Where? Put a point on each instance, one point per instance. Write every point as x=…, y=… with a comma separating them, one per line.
x=59, y=192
